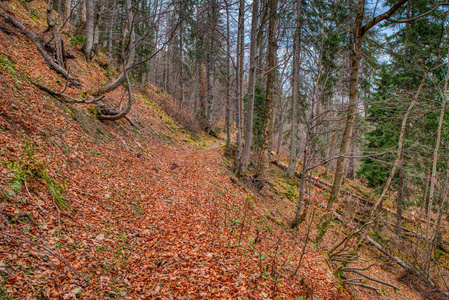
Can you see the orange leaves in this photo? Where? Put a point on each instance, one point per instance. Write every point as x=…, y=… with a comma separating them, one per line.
x=139, y=228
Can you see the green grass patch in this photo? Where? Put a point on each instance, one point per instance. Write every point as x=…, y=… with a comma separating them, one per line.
x=28, y=168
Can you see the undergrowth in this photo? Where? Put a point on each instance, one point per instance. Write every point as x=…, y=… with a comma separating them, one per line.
x=28, y=168
x=183, y=115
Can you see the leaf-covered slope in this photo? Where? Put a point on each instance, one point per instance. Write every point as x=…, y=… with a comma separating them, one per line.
x=94, y=209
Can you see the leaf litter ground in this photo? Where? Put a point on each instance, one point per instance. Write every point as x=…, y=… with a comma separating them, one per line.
x=167, y=221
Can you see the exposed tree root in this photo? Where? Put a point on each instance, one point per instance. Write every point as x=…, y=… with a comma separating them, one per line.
x=36, y=40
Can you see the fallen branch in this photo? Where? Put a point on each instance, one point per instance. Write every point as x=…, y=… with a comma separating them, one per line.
x=124, y=143
x=350, y=282
x=60, y=258
x=373, y=279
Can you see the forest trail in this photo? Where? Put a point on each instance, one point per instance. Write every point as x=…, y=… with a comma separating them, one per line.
x=165, y=220
x=170, y=225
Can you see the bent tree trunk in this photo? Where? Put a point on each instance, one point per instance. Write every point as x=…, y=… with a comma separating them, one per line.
x=118, y=115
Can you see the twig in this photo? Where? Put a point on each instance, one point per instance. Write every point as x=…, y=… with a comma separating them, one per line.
x=124, y=143
x=373, y=279
x=303, y=250
x=60, y=258
x=29, y=194
x=59, y=212
x=364, y=285
x=353, y=233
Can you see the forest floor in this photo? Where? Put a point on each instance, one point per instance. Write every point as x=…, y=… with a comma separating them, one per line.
x=110, y=210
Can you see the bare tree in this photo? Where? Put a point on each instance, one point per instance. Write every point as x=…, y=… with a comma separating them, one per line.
x=355, y=57
x=242, y=167
x=67, y=14
x=89, y=29
x=295, y=96
x=271, y=76
x=238, y=81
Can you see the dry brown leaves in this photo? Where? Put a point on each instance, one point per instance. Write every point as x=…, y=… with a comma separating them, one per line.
x=138, y=228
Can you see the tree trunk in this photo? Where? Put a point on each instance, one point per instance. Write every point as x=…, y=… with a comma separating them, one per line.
x=51, y=22
x=308, y=147
x=67, y=13
x=350, y=172
x=181, y=61
x=295, y=93
x=128, y=57
x=89, y=30
x=83, y=17
x=241, y=62
x=329, y=153
x=97, y=20
x=203, y=110
x=210, y=87
x=238, y=81
x=433, y=177
x=269, y=93
x=355, y=57
x=399, y=200
x=398, y=160
x=440, y=211
x=211, y=64
x=244, y=161
x=111, y=30
x=228, y=84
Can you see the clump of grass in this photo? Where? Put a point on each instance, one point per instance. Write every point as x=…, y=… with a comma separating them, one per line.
x=9, y=65
x=28, y=168
x=78, y=40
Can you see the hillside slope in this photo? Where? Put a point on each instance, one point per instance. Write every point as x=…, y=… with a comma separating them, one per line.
x=94, y=209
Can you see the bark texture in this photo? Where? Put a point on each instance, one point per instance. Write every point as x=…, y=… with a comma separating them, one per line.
x=295, y=93
x=271, y=66
x=244, y=161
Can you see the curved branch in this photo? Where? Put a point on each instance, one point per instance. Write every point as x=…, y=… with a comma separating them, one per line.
x=419, y=16
x=123, y=113
x=63, y=97
x=382, y=17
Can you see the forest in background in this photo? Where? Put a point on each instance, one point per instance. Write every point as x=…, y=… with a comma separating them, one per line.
x=341, y=90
